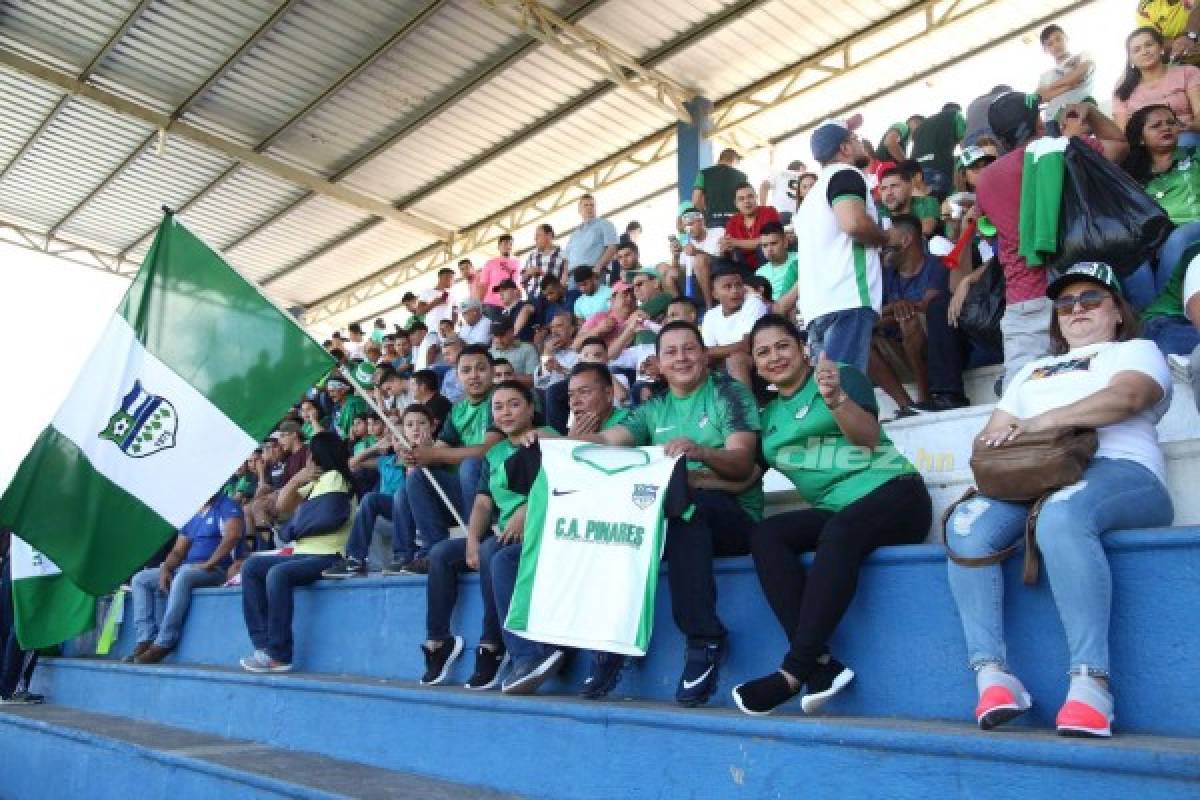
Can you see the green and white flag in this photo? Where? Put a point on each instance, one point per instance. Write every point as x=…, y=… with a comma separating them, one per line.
x=47, y=607
x=194, y=369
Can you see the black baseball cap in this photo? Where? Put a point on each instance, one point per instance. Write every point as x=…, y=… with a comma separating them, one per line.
x=1013, y=117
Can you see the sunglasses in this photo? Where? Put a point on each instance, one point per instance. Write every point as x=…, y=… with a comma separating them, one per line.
x=1090, y=300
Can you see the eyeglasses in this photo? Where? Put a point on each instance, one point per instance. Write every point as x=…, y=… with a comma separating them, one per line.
x=1090, y=300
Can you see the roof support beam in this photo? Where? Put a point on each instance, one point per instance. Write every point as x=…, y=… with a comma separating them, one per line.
x=594, y=52
x=84, y=74
x=434, y=107
x=729, y=114
x=70, y=251
x=133, y=110
x=402, y=32
x=179, y=111
x=711, y=24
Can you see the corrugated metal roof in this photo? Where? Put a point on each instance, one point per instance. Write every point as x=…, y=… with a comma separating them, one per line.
x=401, y=125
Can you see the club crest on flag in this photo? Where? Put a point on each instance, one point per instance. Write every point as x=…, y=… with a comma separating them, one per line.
x=145, y=424
x=644, y=495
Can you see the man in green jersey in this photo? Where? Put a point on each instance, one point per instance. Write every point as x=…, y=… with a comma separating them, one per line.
x=465, y=437
x=712, y=421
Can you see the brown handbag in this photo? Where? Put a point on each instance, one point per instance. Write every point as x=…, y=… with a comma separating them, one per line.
x=1034, y=464
x=1028, y=470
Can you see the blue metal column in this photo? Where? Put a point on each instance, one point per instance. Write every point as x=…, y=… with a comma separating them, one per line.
x=693, y=153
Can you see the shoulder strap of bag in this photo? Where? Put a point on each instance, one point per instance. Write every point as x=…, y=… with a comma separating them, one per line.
x=971, y=561
x=1030, y=574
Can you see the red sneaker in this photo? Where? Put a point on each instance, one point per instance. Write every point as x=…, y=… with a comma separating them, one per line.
x=1088, y=710
x=1002, y=698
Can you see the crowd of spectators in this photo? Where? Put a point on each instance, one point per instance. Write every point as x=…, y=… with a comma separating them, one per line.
x=777, y=313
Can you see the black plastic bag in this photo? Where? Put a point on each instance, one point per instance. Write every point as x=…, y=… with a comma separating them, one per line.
x=1106, y=216
x=980, y=315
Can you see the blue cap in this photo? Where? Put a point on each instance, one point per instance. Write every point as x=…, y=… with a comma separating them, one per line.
x=830, y=134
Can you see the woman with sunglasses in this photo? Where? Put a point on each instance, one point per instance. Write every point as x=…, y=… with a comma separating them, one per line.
x=1171, y=174
x=1099, y=376
x=1150, y=79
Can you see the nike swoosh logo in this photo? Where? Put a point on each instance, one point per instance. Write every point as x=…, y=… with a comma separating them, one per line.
x=698, y=681
x=561, y=492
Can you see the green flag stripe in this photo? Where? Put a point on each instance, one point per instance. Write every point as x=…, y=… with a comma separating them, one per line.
x=208, y=324
x=66, y=509
x=49, y=610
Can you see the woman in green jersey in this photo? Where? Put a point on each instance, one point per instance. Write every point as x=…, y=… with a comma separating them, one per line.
x=822, y=431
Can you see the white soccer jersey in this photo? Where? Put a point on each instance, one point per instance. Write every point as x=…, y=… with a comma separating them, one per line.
x=594, y=534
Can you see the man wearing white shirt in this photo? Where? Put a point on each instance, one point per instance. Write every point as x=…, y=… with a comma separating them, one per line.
x=474, y=327
x=726, y=328
x=702, y=246
x=782, y=190
x=436, y=304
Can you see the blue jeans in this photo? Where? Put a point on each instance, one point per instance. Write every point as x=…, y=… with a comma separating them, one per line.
x=392, y=507
x=505, y=563
x=845, y=336
x=267, y=601
x=1173, y=335
x=447, y=561
x=429, y=511
x=1114, y=494
x=158, y=617
x=1145, y=283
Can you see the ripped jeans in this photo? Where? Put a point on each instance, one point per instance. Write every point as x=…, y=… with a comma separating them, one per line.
x=1114, y=494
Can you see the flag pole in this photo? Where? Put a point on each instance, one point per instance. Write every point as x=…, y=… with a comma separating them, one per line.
x=399, y=435
x=391, y=426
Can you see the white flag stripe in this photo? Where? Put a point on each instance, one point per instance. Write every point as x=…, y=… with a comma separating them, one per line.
x=29, y=563
x=208, y=446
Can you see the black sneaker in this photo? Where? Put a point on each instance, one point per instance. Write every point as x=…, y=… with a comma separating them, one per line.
x=942, y=401
x=527, y=675
x=346, y=568
x=761, y=696
x=829, y=678
x=605, y=674
x=22, y=697
x=438, y=662
x=418, y=566
x=397, y=567
x=700, y=673
x=488, y=665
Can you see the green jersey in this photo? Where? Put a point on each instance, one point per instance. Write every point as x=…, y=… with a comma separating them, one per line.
x=1177, y=189
x=505, y=483
x=1169, y=302
x=782, y=277
x=617, y=417
x=468, y=422
x=719, y=407
x=802, y=440
x=364, y=443
x=352, y=407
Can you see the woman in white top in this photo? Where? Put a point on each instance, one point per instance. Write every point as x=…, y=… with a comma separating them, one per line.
x=1098, y=377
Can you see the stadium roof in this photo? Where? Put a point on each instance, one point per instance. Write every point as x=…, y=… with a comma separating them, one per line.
x=338, y=151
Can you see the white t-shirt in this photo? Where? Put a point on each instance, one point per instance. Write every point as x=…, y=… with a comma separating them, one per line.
x=1056, y=381
x=720, y=330
x=633, y=357
x=354, y=349
x=479, y=333
x=1077, y=95
x=421, y=354
x=785, y=190
x=709, y=245
x=435, y=315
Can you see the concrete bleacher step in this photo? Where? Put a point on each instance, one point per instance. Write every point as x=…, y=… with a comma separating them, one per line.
x=556, y=747
x=121, y=758
x=901, y=635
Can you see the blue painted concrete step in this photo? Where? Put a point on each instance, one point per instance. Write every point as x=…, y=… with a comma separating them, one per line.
x=565, y=748
x=902, y=635
x=55, y=751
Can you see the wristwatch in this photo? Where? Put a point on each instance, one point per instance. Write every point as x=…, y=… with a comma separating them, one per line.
x=1193, y=36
